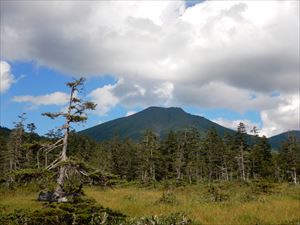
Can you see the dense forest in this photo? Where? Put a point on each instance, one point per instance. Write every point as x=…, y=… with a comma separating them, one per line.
x=184, y=156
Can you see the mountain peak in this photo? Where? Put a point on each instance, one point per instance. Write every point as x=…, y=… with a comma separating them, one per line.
x=157, y=108
x=158, y=119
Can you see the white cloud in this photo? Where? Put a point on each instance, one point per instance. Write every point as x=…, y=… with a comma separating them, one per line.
x=233, y=124
x=282, y=117
x=104, y=98
x=56, y=98
x=228, y=41
x=164, y=92
x=6, y=78
x=214, y=55
x=286, y=116
x=129, y=113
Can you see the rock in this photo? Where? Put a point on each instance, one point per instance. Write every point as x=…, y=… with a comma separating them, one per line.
x=46, y=196
x=62, y=199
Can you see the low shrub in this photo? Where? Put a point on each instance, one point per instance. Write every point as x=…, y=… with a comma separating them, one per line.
x=168, y=197
x=173, y=219
x=218, y=192
x=35, y=178
x=83, y=211
x=262, y=187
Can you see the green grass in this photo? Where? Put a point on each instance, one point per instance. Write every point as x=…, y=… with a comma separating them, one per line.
x=241, y=205
x=20, y=198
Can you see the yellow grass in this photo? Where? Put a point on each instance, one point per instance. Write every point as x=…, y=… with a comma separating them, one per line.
x=18, y=199
x=136, y=202
x=281, y=207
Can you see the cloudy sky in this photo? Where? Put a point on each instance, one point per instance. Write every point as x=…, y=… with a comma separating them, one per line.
x=228, y=61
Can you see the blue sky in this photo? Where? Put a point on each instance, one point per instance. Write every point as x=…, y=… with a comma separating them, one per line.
x=227, y=61
x=38, y=80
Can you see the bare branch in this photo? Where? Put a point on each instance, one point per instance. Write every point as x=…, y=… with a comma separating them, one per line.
x=54, y=163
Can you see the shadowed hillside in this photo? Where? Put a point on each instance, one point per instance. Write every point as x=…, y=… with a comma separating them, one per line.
x=158, y=119
x=276, y=140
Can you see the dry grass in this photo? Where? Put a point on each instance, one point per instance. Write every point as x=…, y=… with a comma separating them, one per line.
x=18, y=199
x=282, y=207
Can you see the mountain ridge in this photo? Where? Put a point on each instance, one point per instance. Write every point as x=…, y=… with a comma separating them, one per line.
x=276, y=140
x=160, y=120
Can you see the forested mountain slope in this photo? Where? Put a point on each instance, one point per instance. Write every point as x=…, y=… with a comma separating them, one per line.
x=159, y=120
x=276, y=141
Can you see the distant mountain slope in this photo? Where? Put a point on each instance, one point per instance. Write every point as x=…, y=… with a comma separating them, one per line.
x=276, y=140
x=4, y=131
x=158, y=119
x=161, y=121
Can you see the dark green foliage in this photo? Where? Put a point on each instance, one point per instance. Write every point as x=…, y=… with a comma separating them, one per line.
x=213, y=150
x=123, y=158
x=148, y=157
x=261, y=158
x=168, y=149
x=173, y=219
x=80, y=146
x=277, y=140
x=103, y=179
x=288, y=165
x=262, y=187
x=82, y=211
x=24, y=177
x=85, y=211
x=4, y=162
x=218, y=192
x=187, y=156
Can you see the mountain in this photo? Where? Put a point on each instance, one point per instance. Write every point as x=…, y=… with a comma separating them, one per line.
x=276, y=140
x=161, y=121
x=4, y=131
x=158, y=119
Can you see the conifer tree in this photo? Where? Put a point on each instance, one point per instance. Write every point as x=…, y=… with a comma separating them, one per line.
x=75, y=113
x=289, y=156
x=242, y=147
x=261, y=158
x=15, y=142
x=179, y=155
x=229, y=157
x=149, y=154
x=214, y=154
x=168, y=149
x=192, y=156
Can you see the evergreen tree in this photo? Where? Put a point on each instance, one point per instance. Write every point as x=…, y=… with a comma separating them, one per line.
x=130, y=151
x=261, y=158
x=229, y=157
x=192, y=155
x=118, y=157
x=213, y=147
x=15, y=142
x=149, y=155
x=4, y=153
x=124, y=159
x=75, y=113
x=241, y=146
x=289, y=156
x=168, y=150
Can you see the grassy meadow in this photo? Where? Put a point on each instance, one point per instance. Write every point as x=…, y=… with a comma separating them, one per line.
x=226, y=204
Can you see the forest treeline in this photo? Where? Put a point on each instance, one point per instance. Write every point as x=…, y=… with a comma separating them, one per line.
x=182, y=156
